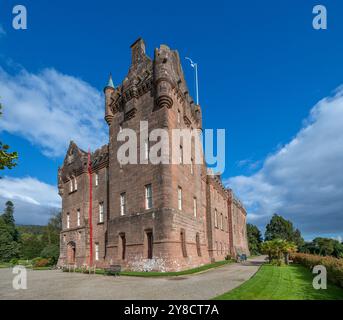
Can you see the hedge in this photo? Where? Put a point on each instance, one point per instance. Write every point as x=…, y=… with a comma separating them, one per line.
x=334, y=266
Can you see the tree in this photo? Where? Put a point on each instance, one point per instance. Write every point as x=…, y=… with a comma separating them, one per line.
x=277, y=249
x=280, y=228
x=8, y=218
x=254, y=239
x=32, y=246
x=9, y=249
x=7, y=159
x=51, y=237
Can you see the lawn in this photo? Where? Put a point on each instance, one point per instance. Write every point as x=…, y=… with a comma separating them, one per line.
x=292, y=282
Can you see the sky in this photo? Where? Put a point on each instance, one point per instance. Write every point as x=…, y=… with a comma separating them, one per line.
x=266, y=76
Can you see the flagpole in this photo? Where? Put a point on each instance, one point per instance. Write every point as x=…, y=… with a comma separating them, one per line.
x=196, y=82
x=195, y=66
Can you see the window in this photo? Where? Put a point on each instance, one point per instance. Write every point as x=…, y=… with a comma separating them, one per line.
x=97, y=251
x=226, y=224
x=150, y=243
x=179, y=198
x=221, y=222
x=75, y=184
x=215, y=218
x=78, y=217
x=217, y=247
x=195, y=206
x=71, y=186
x=197, y=240
x=101, y=212
x=68, y=220
x=96, y=179
x=64, y=238
x=183, y=243
x=123, y=245
x=181, y=155
x=123, y=203
x=192, y=169
x=221, y=248
x=148, y=196
x=178, y=116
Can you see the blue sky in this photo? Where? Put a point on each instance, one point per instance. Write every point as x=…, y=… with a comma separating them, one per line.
x=262, y=69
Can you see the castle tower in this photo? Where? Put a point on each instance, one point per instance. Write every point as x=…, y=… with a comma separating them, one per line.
x=151, y=212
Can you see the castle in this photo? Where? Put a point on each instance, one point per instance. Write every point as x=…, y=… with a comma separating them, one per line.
x=161, y=217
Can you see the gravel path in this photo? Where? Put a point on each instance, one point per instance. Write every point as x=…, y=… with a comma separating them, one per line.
x=59, y=285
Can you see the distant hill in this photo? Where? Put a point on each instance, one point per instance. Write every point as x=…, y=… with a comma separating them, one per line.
x=32, y=229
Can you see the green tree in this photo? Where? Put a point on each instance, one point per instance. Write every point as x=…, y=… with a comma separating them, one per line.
x=280, y=228
x=8, y=217
x=9, y=249
x=7, y=159
x=254, y=238
x=278, y=249
x=31, y=246
x=51, y=252
x=51, y=237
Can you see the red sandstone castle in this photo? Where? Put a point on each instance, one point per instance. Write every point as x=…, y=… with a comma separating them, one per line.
x=164, y=217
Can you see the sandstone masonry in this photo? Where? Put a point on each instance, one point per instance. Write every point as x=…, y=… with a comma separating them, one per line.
x=165, y=217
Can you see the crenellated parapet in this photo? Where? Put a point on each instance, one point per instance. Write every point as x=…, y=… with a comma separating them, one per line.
x=162, y=77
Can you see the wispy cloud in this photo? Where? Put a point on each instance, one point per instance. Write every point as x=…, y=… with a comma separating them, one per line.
x=34, y=200
x=303, y=180
x=50, y=108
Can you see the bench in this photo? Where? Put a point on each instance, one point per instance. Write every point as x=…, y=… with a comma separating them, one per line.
x=113, y=270
x=241, y=257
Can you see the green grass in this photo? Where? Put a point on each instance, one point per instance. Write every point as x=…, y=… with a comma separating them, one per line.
x=5, y=265
x=292, y=282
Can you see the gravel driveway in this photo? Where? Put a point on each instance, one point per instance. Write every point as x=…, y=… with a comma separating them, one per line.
x=59, y=285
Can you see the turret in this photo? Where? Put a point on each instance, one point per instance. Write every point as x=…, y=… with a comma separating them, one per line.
x=163, y=71
x=109, y=93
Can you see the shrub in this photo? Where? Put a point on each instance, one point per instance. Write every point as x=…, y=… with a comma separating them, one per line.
x=51, y=252
x=41, y=262
x=334, y=266
x=14, y=262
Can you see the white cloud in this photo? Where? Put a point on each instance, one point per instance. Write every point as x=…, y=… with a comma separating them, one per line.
x=34, y=200
x=50, y=108
x=303, y=181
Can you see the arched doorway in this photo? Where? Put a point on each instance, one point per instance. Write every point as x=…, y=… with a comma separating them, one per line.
x=71, y=250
